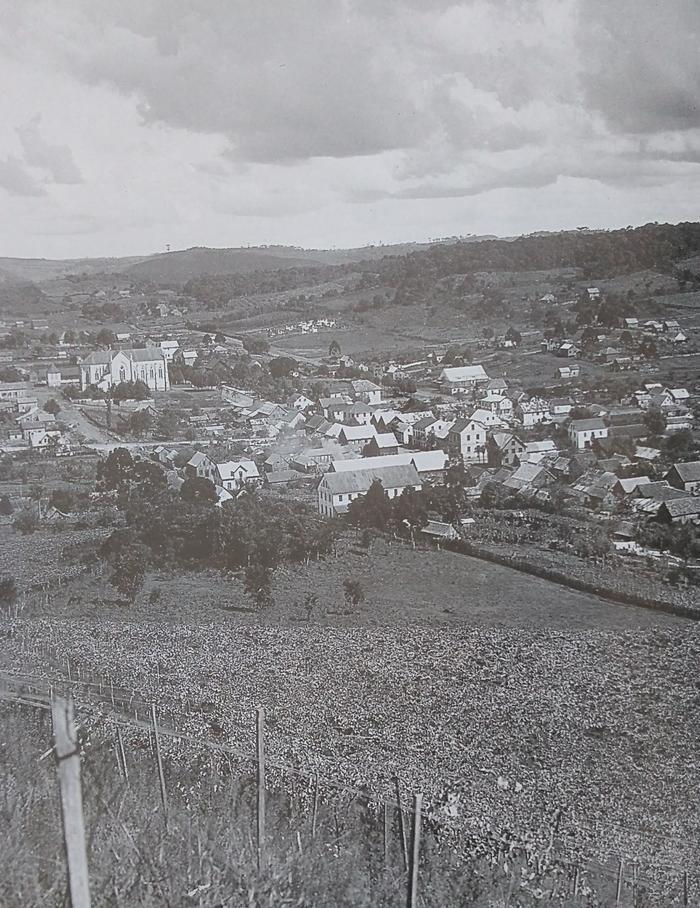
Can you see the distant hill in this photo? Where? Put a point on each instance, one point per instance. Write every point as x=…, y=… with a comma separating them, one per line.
x=39, y=270
x=180, y=266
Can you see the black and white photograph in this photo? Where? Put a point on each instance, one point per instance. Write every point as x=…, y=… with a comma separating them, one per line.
x=349, y=453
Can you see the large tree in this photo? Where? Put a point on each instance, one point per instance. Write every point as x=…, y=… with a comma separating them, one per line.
x=129, y=572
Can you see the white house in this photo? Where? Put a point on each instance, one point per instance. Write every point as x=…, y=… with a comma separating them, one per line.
x=200, y=464
x=169, y=348
x=336, y=490
x=233, y=475
x=488, y=418
x=533, y=412
x=569, y=371
x=53, y=377
x=498, y=403
x=462, y=378
x=583, y=432
x=356, y=436
x=107, y=368
x=467, y=438
x=367, y=391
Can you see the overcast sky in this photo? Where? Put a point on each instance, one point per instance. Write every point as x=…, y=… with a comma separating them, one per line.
x=131, y=124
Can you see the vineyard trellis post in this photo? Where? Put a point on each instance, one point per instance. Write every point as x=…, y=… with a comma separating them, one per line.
x=122, y=753
x=385, y=813
x=159, y=762
x=402, y=827
x=618, y=890
x=68, y=760
x=314, y=813
x=260, y=742
x=412, y=899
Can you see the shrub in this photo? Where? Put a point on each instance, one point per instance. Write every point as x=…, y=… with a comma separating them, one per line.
x=8, y=590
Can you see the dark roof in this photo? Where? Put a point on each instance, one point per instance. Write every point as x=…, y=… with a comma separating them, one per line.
x=682, y=507
x=688, y=472
x=629, y=431
x=587, y=425
x=282, y=476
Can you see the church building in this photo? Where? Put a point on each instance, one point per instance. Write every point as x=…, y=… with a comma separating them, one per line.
x=107, y=368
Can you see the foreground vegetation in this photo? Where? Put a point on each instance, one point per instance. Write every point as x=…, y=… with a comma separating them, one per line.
x=344, y=852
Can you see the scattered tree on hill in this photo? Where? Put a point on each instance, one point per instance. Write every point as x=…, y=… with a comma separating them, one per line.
x=334, y=348
x=63, y=500
x=167, y=424
x=199, y=490
x=131, y=390
x=129, y=572
x=6, y=506
x=52, y=406
x=410, y=508
x=255, y=343
x=257, y=582
x=353, y=592
x=513, y=335
x=373, y=509
x=281, y=366
x=647, y=348
x=121, y=473
x=26, y=521
x=8, y=590
x=140, y=422
x=405, y=386
x=219, y=338
x=655, y=421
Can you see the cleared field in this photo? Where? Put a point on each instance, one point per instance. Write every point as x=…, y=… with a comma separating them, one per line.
x=401, y=585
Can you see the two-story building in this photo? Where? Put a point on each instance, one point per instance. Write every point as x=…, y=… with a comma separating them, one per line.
x=458, y=379
x=685, y=476
x=336, y=491
x=583, y=432
x=467, y=439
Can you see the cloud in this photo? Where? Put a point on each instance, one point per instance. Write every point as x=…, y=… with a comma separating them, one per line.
x=267, y=114
x=17, y=180
x=643, y=65
x=55, y=160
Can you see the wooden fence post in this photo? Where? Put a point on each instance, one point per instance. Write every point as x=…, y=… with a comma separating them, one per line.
x=159, y=761
x=386, y=834
x=412, y=899
x=685, y=887
x=120, y=742
x=314, y=812
x=402, y=827
x=618, y=891
x=68, y=758
x=260, y=741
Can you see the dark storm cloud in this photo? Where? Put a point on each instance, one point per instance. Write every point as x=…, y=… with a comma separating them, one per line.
x=642, y=63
